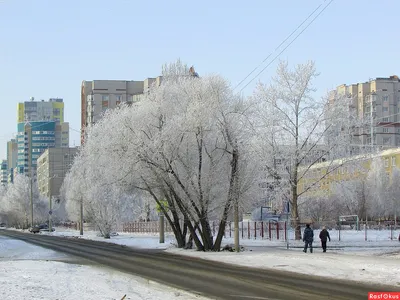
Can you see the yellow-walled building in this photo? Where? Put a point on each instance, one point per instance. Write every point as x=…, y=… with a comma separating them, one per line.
x=52, y=110
x=319, y=178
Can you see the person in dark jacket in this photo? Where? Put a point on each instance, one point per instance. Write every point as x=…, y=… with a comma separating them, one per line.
x=324, y=236
x=308, y=238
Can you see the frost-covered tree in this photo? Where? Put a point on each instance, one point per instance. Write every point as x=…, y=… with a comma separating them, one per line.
x=100, y=198
x=17, y=203
x=3, y=203
x=351, y=197
x=293, y=128
x=394, y=192
x=378, y=182
x=187, y=145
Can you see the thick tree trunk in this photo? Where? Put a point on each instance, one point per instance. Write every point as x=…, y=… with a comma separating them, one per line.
x=295, y=214
x=206, y=234
x=232, y=197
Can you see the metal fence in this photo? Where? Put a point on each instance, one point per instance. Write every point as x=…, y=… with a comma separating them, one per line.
x=247, y=229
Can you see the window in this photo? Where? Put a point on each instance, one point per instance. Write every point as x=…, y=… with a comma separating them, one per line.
x=385, y=119
x=385, y=130
x=385, y=109
x=104, y=105
x=393, y=161
x=386, y=162
x=105, y=98
x=386, y=141
x=56, y=111
x=118, y=98
x=385, y=98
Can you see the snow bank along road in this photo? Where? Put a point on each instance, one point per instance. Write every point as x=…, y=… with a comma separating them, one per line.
x=208, y=278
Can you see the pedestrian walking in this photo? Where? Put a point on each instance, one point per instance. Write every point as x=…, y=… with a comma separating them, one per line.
x=308, y=238
x=324, y=236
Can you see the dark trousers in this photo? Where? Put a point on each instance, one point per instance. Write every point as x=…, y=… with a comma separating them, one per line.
x=323, y=243
x=306, y=245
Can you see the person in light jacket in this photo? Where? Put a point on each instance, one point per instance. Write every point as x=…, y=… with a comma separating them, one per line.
x=324, y=236
x=308, y=238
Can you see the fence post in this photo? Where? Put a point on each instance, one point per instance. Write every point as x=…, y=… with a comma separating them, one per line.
x=277, y=230
x=269, y=231
x=230, y=229
x=391, y=232
x=285, y=231
x=365, y=232
x=255, y=230
x=248, y=229
x=242, y=230
x=262, y=230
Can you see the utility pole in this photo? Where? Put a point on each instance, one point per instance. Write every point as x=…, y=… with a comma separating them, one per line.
x=81, y=217
x=30, y=169
x=31, y=196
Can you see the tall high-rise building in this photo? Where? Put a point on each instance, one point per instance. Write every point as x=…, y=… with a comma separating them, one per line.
x=34, y=138
x=377, y=102
x=100, y=95
x=40, y=126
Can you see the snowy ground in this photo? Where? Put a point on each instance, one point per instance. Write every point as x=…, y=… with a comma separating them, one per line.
x=376, y=260
x=31, y=272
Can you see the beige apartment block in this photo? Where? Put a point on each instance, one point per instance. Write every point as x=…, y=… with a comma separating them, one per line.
x=377, y=102
x=99, y=95
x=52, y=167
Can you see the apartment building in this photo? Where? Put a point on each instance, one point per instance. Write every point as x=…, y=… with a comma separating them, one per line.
x=52, y=166
x=4, y=172
x=34, y=138
x=12, y=156
x=376, y=101
x=99, y=95
x=40, y=126
x=51, y=110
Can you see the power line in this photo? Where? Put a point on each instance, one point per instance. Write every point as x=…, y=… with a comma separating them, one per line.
x=284, y=41
x=284, y=49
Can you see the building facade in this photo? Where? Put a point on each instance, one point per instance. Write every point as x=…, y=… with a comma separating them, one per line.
x=12, y=157
x=34, y=138
x=51, y=110
x=4, y=172
x=99, y=95
x=52, y=166
x=40, y=126
x=377, y=102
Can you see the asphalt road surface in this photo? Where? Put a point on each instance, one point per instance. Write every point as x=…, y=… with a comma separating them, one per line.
x=207, y=278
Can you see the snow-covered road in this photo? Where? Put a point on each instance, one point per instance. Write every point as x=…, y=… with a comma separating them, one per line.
x=31, y=272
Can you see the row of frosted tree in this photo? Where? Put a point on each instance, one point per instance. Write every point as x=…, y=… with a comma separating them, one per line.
x=17, y=200
x=194, y=150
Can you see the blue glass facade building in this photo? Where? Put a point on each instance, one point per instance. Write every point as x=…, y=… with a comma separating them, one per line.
x=33, y=139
